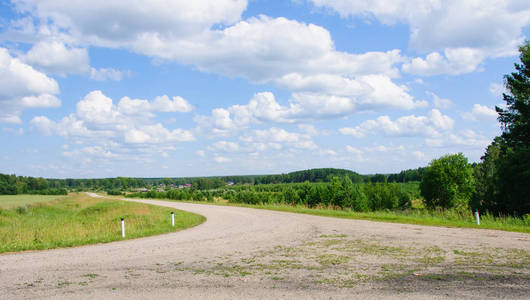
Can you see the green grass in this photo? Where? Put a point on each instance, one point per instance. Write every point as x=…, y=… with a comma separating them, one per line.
x=419, y=216
x=79, y=220
x=13, y=201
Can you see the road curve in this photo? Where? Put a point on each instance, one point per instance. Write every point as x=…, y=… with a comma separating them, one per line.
x=131, y=268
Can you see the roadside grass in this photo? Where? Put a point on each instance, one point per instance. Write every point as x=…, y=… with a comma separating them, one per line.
x=417, y=215
x=13, y=201
x=79, y=220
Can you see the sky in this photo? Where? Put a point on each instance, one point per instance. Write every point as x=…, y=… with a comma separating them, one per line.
x=92, y=89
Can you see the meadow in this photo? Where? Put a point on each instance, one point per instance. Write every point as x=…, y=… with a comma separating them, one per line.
x=34, y=222
x=13, y=201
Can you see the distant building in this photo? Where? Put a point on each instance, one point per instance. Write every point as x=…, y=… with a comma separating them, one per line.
x=229, y=183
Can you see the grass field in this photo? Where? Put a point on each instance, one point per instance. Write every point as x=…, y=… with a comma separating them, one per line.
x=32, y=222
x=13, y=201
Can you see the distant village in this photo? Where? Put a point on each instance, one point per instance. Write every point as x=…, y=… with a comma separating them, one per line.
x=165, y=187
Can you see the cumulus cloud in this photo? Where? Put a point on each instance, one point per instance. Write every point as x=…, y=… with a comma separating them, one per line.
x=289, y=53
x=455, y=61
x=176, y=104
x=441, y=103
x=23, y=87
x=56, y=58
x=465, y=31
x=467, y=138
x=97, y=117
x=412, y=125
x=480, y=113
x=374, y=92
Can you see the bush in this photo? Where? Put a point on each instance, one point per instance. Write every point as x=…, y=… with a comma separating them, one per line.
x=448, y=183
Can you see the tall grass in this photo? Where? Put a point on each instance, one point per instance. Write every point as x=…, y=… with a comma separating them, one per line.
x=13, y=201
x=79, y=220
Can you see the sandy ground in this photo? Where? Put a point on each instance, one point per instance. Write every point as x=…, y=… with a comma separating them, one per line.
x=241, y=253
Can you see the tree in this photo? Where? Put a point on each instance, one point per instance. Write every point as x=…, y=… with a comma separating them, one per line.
x=486, y=175
x=504, y=174
x=515, y=118
x=448, y=182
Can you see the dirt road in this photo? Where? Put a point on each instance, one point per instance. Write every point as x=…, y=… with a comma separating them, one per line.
x=241, y=253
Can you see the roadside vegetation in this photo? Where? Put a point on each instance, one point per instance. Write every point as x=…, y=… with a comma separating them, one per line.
x=78, y=220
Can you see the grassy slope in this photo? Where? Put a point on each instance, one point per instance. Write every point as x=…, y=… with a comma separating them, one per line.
x=13, y=201
x=78, y=220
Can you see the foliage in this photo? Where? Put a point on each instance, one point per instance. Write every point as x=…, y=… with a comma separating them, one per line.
x=448, y=182
x=114, y=192
x=503, y=176
x=515, y=118
x=339, y=193
x=407, y=175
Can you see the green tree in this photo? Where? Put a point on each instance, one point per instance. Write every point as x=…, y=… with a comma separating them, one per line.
x=448, y=182
x=503, y=176
x=515, y=118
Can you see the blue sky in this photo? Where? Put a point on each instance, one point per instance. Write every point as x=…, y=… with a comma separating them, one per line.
x=200, y=88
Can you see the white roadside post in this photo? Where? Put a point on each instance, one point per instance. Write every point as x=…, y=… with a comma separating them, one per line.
x=172, y=219
x=122, y=227
x=477, y=217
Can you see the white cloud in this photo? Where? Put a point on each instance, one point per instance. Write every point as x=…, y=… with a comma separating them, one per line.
x=131, y=20
x=177, y=104
x=467, y=138
x=374, y=92
x=466, y=31
x=103, y=74
x=222, y=159
x=404, y=126
x=22, y=87
x=225, y=146
x=200, y=153
x=446, y=24
x=156, y=134
x=275, y=139
x=93, y=151
x=267, y=49
x=480, y=113
x=497, y=89
x=56, y=58
x=43, y=100
x=456, y=61
x=97, y=120
x=309, y=129
x=441, y=103
x=440, y=121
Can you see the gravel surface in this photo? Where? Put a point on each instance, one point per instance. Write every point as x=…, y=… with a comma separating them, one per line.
x=249, y=253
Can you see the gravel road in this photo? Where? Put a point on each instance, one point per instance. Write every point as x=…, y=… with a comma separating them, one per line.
x=241, y=253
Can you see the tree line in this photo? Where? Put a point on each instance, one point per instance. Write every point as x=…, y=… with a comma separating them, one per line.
x=339, y=192
x=12, y=185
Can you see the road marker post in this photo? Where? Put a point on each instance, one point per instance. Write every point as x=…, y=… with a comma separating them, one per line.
x=172, y=219
x=477, y=217
x=122, y=227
